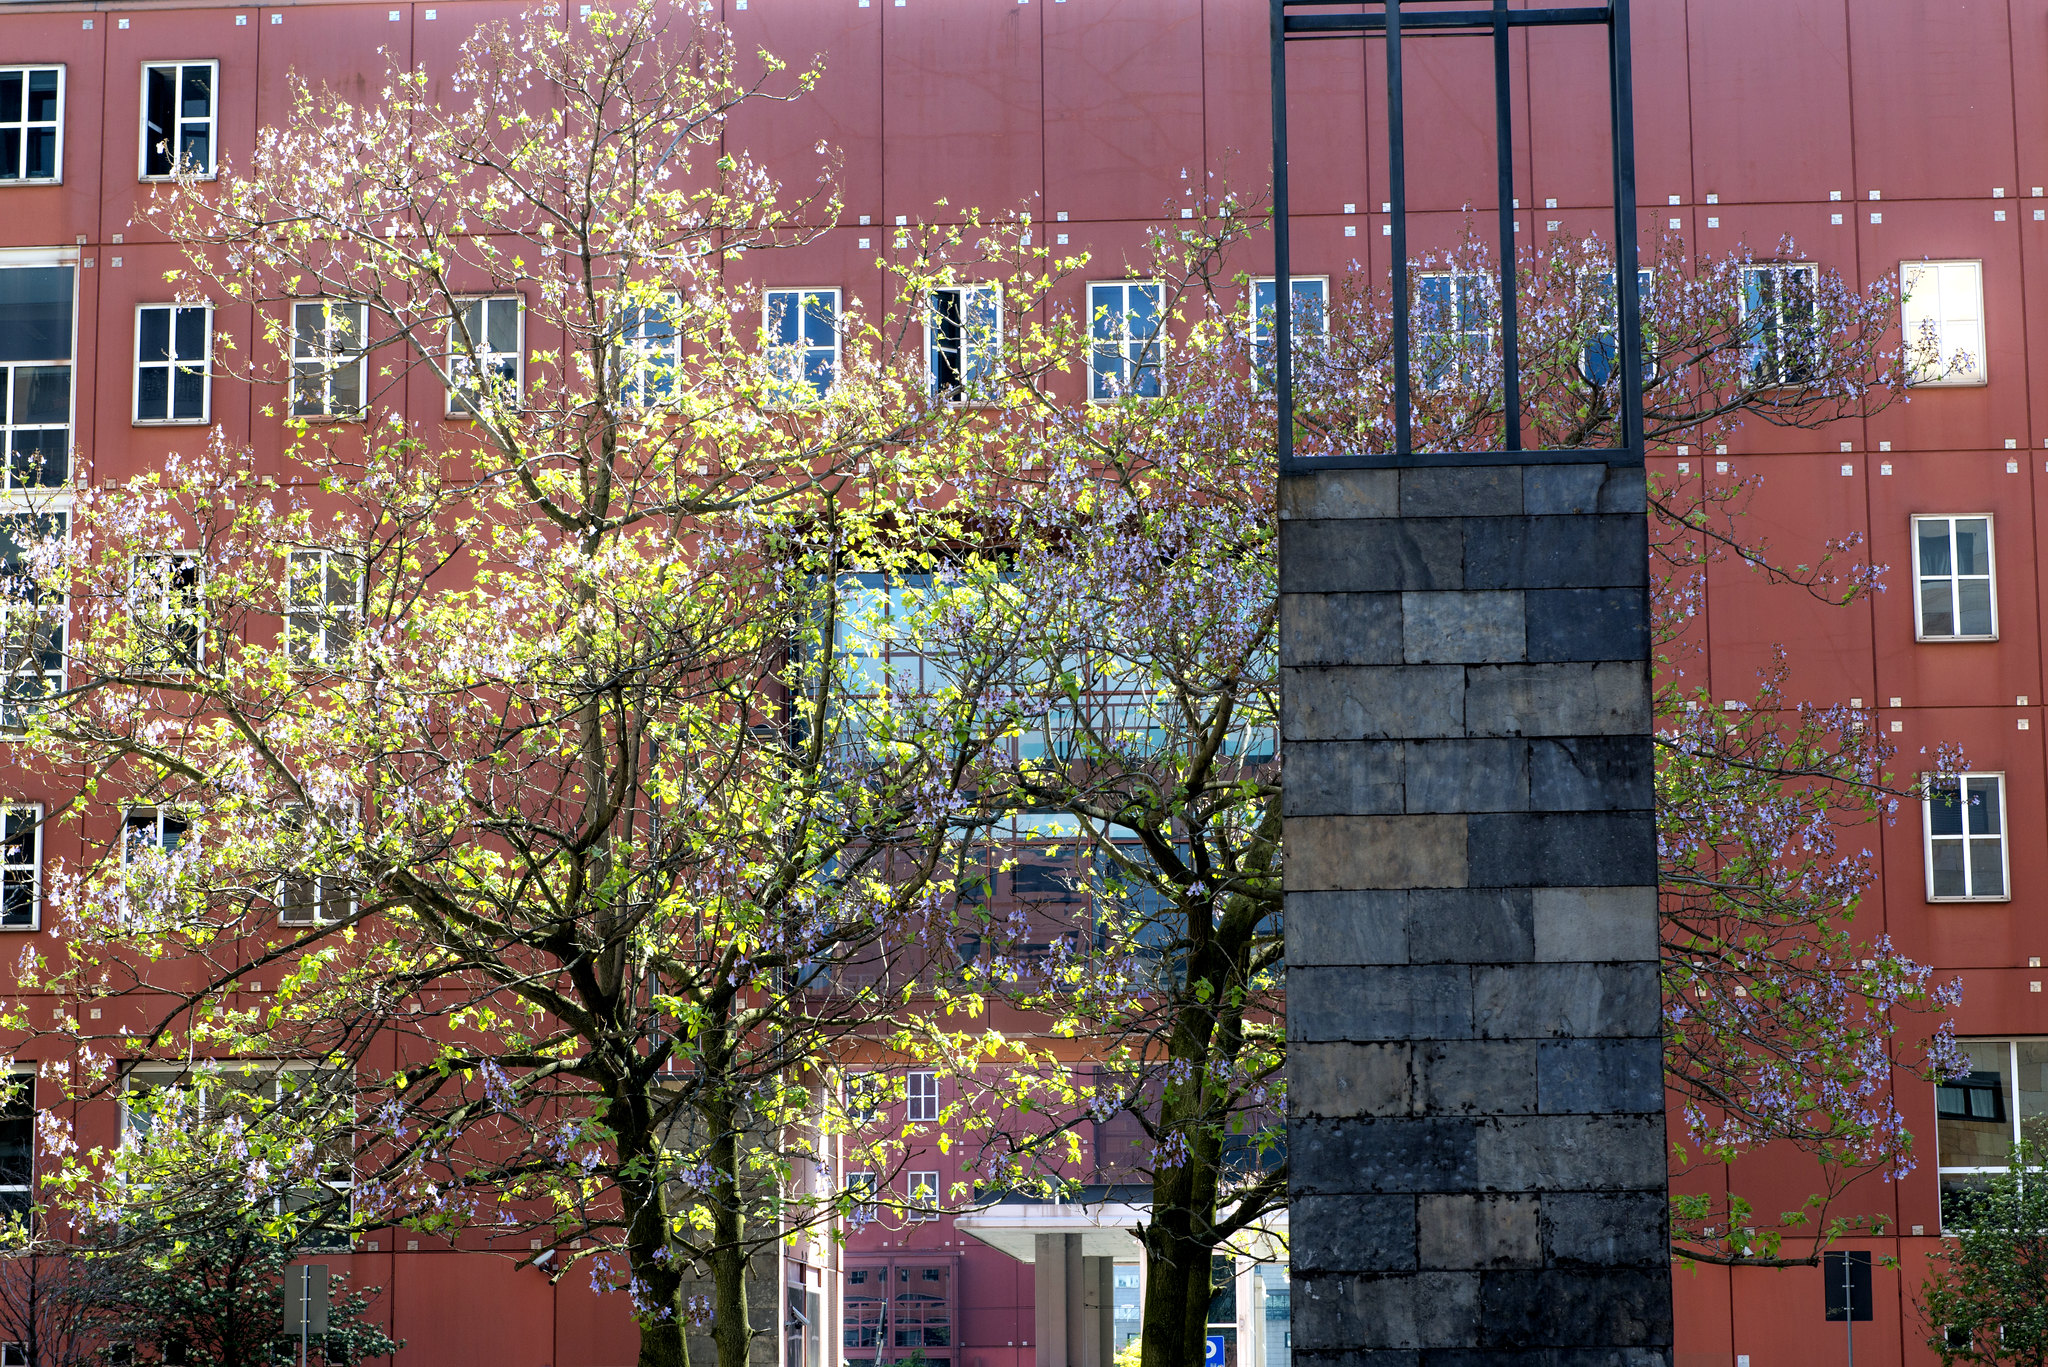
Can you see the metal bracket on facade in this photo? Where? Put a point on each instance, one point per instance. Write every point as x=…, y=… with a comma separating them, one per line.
x=1324, y=20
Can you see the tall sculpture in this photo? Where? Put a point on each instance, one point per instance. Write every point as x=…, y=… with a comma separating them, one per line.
x=1476, y=1098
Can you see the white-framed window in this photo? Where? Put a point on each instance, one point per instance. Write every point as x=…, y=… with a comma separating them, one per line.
x=1597, y=358
x=173, y=346
x=301, y=1101
x=1452, y=327
x=921, y=1190
x=329, y=359
x=13, y=1355
x=921, y=1097
x=21, y=866
x=38, y=312
x=1778, y=321
x=484, y=347
x=862, y=1187
x=178, y=105
x=1310, y=314
x=151, y=831
x=650, y=355
x=1964, y=817
x=324, y=592
x=1126, y=320
x=800, y=333
x=1941, y=309
x=31, y=123
x=1955, y=590
x=963, y=336
x=33, y=619
x=313, y=895
x=865, y=1095
x=166, y=601
x=17, y=1150
x=1980, y=1116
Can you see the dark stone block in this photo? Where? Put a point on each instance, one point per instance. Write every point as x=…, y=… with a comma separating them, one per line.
x=1340, y=494
x=1556, y=1308
x=1587, y=624
x=1592, y=774
x=1483, y=1231
x=1599, y=1229
x=1372, y=702
x=1573, y=552
x=1385, y=1004
x=1600, y=1076
x=1342, y=778
x=1546, y=1357
x=1461, y=628
x=1371, y=555
x=1546, y=1153
x=1567, y=1001
x=1428, y=1154
x=1487, y=775
x=1598, y=699
x=1346, y=928
x=1340, y=1079
x=1558, y=489
x=1476, y=1077
x=1340, y=629
x=1471, y=926
x=1352, y=1234
x=1625, y=491
x=1461, y=491
x=1562, y=850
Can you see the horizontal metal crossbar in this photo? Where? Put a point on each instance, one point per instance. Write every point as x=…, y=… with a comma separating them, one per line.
x=1395, y=460
x=1456, y=21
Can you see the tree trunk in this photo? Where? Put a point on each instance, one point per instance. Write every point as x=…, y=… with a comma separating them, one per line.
x=658, y=1301
x=1176, y=1293
x=731, y=1331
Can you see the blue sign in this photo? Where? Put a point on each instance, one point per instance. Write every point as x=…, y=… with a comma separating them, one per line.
x=1214, y=1356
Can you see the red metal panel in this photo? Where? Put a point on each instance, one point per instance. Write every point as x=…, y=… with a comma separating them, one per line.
x=597, y=1330
x=844, y=112
x=1780, y=1313
x=1449, y=115
x=46, y=215
x=453, y=1308
x=1123, y=106
x=1329, y=144
x=1933, y=97
x=334, y=47
x=962, y=98
x=1770, y=100
x=1567, y=110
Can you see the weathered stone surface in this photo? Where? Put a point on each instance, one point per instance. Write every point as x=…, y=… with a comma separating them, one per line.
x=1592, y=774
x=1461, y=491
x=1340, y=1078
x=1425, y=1154
x=1575, y=552
x=1596, y=925
x=1564, y=1001
x=1345, y=853
x=1346, y=929
x=1388, y=555
x=1587, y=624
x=1547, y=1153
x=1476, y=1077
x=1340, y=629
x=1344, y=778
x=1407, y=1003
x=1558, y=1308
x=1568, y=849
x=1353, y=1234
x=1461, y=628
x=1490, y=775
x=1372, y=703
x=1600, y=1076
x=1471, y=926
x=1341, y=494
x=1487, y=1231
x=1555, y=489
x=1558, y=700
x=1606, y=1229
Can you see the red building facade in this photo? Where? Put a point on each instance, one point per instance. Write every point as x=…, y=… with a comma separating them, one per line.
x=1874, y=133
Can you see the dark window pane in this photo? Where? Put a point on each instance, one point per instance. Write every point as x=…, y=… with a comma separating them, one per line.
x=1948, y=868
x=10, y=154
x=1974, y=597
x=1934, y=548
x=42, y=394
x=10, y=96
x=347, y=382
x=42, y=96
x=191, y=334
x=197, y=93
x=152, y=393
x=190, y=392
x=1937, y=616
x=153, y=340
x=1945, y=811
x=504, y=325
x=35, y=313
x=158, y=102
x=1973, y=545
x=194, y=149
x=1987, y=873
x=36, y=459
x=1983, y=804
x=42, y=154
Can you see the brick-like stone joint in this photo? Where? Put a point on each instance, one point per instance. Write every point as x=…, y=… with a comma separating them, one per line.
x=1475, y=1093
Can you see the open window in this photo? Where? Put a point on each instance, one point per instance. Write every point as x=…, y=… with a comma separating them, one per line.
x=179, y=104
x=963, y=339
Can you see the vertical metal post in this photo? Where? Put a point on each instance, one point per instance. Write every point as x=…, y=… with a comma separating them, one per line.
x=1283, y=283
x=1397, y=192
x=1627, y=297
x=1504, y=132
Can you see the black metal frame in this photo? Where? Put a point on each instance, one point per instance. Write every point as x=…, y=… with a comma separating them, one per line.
x=1299, y=20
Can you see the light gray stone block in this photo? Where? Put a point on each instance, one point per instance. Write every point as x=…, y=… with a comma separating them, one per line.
x=1340, y=494
x=1372, y=703
x=1342, y=778
x=1596, y=925
x=1483, y=1231
x=1566, y=1001
x=1462, y=628
x=1344, y=1078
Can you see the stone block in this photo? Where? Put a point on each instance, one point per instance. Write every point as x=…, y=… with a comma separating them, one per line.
x=1546, y=1153
x=1562, y=849
x=1598, y=1229
x=1352, y=1234
x=1340, y=494
x=1558, y=699
x=1575, y=552
x=1371, y=556
x=1340, y=629
x=1626, y=490
x=1478, y=1231
x=1461, y=491
x=1600, y=1076
x=1346, y=928
x=1424, y=1154
x=1568, y=1308
x=1372, y=703
x=1588, y=624
x=1392, y=1003
x=1352, y=1311
x=1348, y=853
x=1566, y=1001
x=1461, y=628
x=1486, y=775
x=1477, y=1077
x=1471, y=926
x=1559, y=489
x=1340, y=1078
x=1592, y=774
x=1596, y=925
x=1342, y=778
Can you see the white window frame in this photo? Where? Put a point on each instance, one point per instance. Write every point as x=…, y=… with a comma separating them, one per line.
x=176, y=363
x=14, y=873
x=31, y=259
x=179, y=121
x=1259, y=326
x=1136, y=355
x=309, y=645
x=921, y=1097
x=978, y=356
x=1777, y=271
x=2003, y=837
x=13, y=1354
x=55, y=611
x=1465, y=346
x=1954, y=577
x=1958, y=329
x=863, y=1188
x=151, y=816
x=319, y=359
x=491, y=358
x=791, y=361
x=645, y=366
x=157, y=602
x=23, y=124
x=309, y=907
x=2010, y=1102
x=921, y=1195
x=25, y=1078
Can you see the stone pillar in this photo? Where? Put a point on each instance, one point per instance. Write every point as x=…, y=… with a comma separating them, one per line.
x=1049, y=1291
x=1476, y=1105
x=1073, y=1304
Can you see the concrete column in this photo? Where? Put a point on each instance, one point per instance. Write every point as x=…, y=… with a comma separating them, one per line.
x=1098, y=1299
x=1476, y=1124
x=1049, y=1287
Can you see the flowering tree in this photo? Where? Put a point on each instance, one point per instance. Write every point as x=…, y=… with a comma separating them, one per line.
x=1985, y=1299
